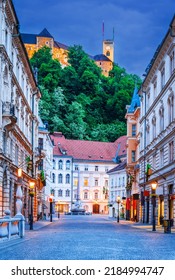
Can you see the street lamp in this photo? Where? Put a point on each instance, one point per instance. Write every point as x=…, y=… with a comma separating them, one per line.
x=118, y=202
x=31, y=193
x=154, y=186
x=51, y=201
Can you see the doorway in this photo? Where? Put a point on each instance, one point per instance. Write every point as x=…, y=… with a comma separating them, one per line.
x=96, y=208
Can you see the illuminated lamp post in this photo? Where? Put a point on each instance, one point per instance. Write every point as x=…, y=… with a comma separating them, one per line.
x=51, y=203
x=118, y=202
x=19, y=193
x=31, y=193
x=154, y=186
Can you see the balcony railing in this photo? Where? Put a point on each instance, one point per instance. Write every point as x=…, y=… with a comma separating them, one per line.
x=11, y=227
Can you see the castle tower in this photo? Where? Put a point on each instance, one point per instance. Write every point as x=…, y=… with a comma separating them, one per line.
x=108, y=49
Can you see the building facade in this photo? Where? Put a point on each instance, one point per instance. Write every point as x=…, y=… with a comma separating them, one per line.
x=34, y=42
x=45, y=166
x=19, y=97
x=157, y=132
x=132, y=167
x=80, y=172
x=117, y=190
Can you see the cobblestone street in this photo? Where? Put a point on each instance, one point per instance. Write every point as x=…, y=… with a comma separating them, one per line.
x=90, y=238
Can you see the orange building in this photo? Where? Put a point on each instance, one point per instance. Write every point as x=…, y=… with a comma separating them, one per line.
x=34, y=42
x=132, y=168
x=104, y=63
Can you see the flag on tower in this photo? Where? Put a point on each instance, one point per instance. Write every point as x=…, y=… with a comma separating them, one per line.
x=103, y=29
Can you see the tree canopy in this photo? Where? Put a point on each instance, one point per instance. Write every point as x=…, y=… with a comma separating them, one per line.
x=78, y=100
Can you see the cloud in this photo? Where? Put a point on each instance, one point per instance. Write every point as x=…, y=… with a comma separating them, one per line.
x=139, y=25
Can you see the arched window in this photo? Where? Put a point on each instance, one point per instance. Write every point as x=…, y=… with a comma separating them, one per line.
x=60, y=192
x=53, y=177
x=161, y=116
x=60, y=179
x=67, y=179
x=85, y=195
x=153, y=127
x=171, y=108
x=60, y=164
x=67, y=193
x=96, y=195
x=108, y=53
x=68, y=165
x=6, y=75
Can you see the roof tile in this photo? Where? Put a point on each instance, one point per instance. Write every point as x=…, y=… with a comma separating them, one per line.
x=89, y=150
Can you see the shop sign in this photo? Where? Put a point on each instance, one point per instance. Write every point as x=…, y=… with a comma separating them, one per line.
x=146, y=193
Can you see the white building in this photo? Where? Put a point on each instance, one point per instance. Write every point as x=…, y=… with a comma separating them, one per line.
x=19, y=98
x=157, y=130
x=80, y=172
x=45, y=166
x=117, y=189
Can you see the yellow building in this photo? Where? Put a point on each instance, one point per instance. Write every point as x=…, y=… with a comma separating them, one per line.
x=34, y=42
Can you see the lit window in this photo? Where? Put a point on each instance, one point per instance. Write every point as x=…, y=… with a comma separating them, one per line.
x=75, y=182
x=85, y=182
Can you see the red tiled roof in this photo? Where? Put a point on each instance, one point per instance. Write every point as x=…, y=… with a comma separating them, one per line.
x=89, y=150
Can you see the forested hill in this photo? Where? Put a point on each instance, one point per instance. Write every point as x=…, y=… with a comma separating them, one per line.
x=78, y=100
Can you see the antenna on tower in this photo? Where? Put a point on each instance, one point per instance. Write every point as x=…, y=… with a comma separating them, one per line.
x=113, y=34
x=103, y=30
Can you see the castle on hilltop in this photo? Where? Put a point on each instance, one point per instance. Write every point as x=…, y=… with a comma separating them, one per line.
x=33, y=42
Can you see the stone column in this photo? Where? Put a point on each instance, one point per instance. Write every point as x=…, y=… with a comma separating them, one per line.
x=19, y=208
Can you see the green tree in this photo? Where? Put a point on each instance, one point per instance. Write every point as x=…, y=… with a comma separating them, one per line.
x=43, y=55
x=78, y=100
x=74, y=119
x=49, y=74
x=75, y=55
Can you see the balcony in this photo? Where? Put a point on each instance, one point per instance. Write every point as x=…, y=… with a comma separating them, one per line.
x=8, y=115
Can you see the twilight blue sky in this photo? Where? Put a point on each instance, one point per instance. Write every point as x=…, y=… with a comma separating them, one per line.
x=139, y=25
